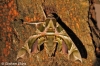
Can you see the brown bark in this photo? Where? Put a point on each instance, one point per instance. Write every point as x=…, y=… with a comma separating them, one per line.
x=13, y=33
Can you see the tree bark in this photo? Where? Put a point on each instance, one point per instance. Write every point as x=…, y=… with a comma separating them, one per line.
x=74, y=14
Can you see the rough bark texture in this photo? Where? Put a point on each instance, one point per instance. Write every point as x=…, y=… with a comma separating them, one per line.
x=74, y=13
x=95, y=31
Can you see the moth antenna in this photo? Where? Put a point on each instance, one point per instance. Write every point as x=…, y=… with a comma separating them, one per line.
x=43, y=12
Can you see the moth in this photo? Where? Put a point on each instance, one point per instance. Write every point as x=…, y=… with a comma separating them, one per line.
x=53, y=38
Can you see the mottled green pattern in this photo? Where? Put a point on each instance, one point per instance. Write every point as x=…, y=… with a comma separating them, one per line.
x=54, y=36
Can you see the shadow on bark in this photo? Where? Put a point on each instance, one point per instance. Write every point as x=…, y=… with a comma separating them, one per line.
x=72, y=35
x=97, y=62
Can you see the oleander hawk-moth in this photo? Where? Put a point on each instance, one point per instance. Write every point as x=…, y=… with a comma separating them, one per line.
x=53, y=37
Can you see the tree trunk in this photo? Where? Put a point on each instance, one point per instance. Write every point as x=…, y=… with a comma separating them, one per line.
x=75, y=14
